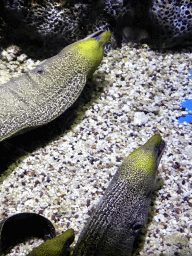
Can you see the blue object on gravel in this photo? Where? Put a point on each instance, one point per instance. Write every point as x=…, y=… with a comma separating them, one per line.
x=188, y=105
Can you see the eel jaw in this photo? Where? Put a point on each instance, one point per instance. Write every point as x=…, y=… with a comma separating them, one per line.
x=161, y=151
x=96, y=33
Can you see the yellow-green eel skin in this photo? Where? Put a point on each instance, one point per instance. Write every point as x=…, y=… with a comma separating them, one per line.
x=118, y=218
x=42, y=94
x=57, y=246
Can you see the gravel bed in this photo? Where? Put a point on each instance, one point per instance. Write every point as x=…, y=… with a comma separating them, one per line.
x=140, y=94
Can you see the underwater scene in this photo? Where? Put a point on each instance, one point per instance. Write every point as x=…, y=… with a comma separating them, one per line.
x=96, y=135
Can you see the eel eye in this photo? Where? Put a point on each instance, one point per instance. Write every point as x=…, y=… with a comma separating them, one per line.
x=137, y=227
x=162, y=146
x=39, y=70
x=157, y=151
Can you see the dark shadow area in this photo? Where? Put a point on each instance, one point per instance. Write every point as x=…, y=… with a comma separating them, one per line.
x=16, y=148
x=36, y=42
x=15, y=32
x=24, y=226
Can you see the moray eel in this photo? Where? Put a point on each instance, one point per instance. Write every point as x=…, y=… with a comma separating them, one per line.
x=42, y=94
x=118, y=218
x=58, y=246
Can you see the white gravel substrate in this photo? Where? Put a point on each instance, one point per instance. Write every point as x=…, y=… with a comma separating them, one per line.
x=65, y=179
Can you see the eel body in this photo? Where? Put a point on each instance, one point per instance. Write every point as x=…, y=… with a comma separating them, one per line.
x=118, y=218
x=42, y=94
x=58, y=246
